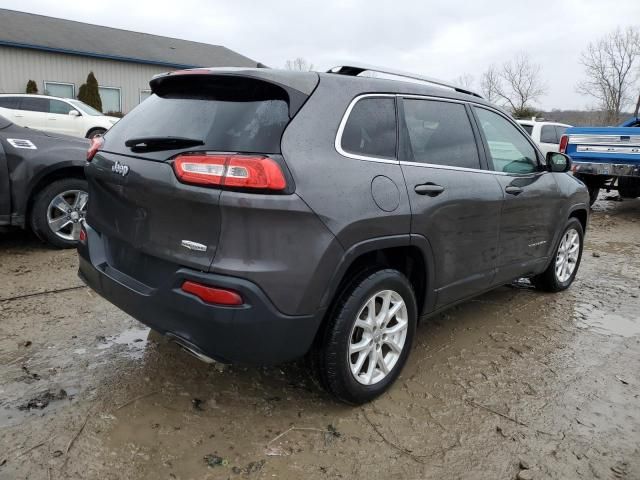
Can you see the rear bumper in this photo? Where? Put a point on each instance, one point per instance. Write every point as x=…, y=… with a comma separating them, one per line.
x=254, y=333
x=606, y=169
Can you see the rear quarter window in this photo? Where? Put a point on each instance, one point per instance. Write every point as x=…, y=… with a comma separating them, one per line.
x=9, y=102
x=370, y=130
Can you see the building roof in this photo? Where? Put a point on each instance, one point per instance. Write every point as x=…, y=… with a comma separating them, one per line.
x=38, y=32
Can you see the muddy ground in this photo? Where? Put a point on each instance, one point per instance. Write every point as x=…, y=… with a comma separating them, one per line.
x=513, y=379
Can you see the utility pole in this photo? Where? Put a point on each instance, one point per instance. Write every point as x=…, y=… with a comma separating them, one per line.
x=635, y=114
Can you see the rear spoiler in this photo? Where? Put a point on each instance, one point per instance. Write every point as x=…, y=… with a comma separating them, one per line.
x=298, y=85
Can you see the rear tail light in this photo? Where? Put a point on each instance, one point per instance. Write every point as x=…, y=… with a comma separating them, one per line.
x=96, y=144
x=564, y=141
x=214, y=295
x=242, y=171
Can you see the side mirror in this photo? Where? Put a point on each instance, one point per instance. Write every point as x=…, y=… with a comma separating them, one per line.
x=74, y=113
x=558, y=162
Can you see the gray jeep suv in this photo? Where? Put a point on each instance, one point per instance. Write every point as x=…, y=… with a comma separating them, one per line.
x=257, y=215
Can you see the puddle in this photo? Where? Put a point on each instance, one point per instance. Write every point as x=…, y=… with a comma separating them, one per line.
x=624, y=322
x=134, y=338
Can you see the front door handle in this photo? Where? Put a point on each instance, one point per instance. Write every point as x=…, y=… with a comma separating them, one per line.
x=430, y=189
x=511, y=190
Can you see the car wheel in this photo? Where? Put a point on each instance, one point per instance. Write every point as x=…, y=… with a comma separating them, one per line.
x=367, y=338
x=95, y=132
x=58, y=211
x=566, y=260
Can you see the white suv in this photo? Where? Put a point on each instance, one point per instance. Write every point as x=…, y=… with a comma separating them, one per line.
x=55, y=114
x=546, y=134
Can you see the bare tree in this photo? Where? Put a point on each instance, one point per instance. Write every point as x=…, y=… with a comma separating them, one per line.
x=520, y=85
x=466, y=80
x=489, y=84
x=610, y=67
x=298, y=64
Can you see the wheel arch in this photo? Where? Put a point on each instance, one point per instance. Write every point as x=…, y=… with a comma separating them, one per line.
x=86, y=135
x=61, y=170
x=410, y=254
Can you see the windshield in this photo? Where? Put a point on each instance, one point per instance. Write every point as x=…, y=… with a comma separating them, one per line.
x=84, y=108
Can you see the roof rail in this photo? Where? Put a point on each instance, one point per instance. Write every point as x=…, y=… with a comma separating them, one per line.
x=356, y=69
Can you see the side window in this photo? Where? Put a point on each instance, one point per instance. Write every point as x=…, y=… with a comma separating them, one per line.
x=560, y=131
x=371, y=128
x=57, y=106
x=528, y=128
x=548, y=134
x=33, y=104
x=510, y=151
x=9, y=102
x=440, y=133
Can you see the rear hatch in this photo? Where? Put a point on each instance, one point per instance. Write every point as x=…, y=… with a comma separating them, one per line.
x=149, y=220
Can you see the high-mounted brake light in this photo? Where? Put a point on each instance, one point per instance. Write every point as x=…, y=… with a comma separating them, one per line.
x=564, y=141
x=217, y=296
x=242, y=171
x=96, y=144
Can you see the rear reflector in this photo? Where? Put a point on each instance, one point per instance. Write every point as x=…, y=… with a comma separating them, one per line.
x=96, y=144
x=216, y=296
x=240, y=171
x=564, y=140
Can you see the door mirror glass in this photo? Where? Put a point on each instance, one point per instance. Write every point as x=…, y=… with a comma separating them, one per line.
x=74, y=113
x=558, y=162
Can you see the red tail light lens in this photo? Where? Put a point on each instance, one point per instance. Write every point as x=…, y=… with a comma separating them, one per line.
x=96, y=144
x=564, y=141
x=230, y=170
x=217, y=296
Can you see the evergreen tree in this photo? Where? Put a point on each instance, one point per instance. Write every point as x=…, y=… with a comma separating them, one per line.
x=32, y=87
x=89, y=92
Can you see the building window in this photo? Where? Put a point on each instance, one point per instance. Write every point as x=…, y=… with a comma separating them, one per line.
x=144, y=94
x=59, y=89
x=111, y=99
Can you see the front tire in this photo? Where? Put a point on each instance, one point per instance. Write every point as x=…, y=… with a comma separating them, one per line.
x=367, y=338
x=58, y=211
x=562, y=270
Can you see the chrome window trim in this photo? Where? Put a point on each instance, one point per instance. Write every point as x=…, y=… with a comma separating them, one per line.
x=343, y=124
x=458, y=169
x=345, y=118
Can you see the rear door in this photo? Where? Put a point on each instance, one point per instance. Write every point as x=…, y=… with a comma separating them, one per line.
x=455, y=201
x=58, y=119
x=532, y=199
x=144, y=213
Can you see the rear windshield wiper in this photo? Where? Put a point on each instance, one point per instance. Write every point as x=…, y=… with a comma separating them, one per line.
x=162, y=143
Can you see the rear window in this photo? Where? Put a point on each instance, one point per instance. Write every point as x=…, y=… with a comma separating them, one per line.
x=548, y=134
x=229, y=115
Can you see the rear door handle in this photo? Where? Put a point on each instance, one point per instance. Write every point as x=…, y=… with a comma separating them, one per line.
x=511, y=190
x=430, y=189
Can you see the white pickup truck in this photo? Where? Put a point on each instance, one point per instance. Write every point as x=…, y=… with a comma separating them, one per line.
x=547, y=135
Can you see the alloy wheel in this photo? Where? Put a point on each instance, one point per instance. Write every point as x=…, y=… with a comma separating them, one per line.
x=378, y=337
x=568, y=253
x=65, y=214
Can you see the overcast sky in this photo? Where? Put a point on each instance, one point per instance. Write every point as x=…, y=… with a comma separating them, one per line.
x=441, y=39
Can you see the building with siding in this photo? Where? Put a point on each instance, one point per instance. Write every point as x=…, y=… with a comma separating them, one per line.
x=59, y=54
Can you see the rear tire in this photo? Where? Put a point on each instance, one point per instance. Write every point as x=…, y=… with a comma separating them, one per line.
x=45, y=213
x=367, y=338
x=563, y=268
